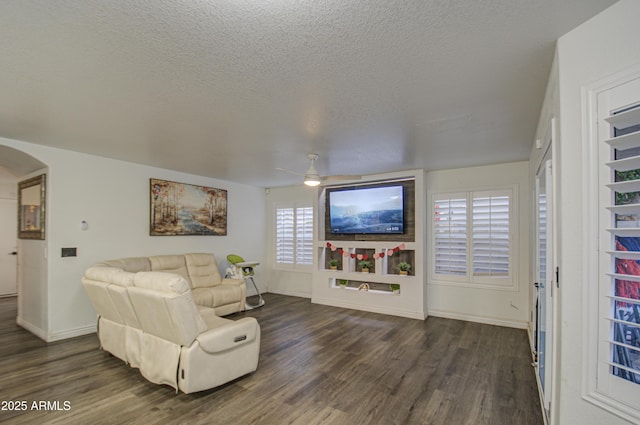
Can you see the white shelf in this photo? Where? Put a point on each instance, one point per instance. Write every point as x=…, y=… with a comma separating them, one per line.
x=366, y=244
x=370, y=291
x=369, y=277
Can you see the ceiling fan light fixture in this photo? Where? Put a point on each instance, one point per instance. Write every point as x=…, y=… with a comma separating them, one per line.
x=312, y=181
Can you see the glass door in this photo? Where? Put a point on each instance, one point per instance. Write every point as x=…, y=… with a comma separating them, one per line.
x=544, y=278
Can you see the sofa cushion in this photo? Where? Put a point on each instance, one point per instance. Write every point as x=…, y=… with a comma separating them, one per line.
x=98, y=293
x=129, y=264
x=203, y=296
x=120, y=297
x=111, y=275
x=211, y=318
x=203, y=270
x=226, y=294
x=165, y=307
x=170, y=264
x=221, y=295
x=161, y=282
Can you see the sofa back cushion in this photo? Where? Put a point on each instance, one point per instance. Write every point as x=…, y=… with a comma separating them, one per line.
x=165, y=308
x=203, y=270
x=109, y=275
x=129, y=264
x=170, y=264
x=102, y=302
x=117, y=281
x=120, y=296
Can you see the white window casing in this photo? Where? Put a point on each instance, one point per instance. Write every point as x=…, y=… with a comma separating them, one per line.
x=474, y=238
x=293, y=237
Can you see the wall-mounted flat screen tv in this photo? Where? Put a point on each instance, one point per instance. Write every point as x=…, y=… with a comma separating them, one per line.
x=376, y=210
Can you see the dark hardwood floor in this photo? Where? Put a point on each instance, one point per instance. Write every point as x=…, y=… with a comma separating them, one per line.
x=318, y=365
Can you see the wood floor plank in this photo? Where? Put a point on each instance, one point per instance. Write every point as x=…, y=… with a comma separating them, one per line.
x=319, y=365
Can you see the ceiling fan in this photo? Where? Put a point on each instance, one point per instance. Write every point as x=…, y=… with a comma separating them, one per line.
x=311, y=176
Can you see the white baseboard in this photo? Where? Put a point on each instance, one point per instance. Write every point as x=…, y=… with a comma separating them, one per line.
x=289, y=293
x=55, y=336
x=71, y=333
x=369, y=308
x=479, y=319
x=40, y=333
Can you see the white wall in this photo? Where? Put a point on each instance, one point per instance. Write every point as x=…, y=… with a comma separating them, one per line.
x=8, y=184
x=113, y=197
x=603, y=46
x=493, y=306
x=282, y=281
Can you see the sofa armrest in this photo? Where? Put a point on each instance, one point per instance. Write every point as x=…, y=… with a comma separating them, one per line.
x=230, y=335
x=229, y=281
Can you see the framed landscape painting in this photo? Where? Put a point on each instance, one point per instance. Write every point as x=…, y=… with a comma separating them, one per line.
x=31, y=211
x=184, y=209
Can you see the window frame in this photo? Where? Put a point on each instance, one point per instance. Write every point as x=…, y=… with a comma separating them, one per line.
x=469, y=279
x=294, y=265
x=600, y=387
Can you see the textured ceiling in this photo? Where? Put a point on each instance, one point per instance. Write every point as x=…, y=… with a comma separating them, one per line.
x=232, y=89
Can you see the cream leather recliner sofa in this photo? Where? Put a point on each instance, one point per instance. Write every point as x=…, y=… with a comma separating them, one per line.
x=225, y=296
x=150, y=320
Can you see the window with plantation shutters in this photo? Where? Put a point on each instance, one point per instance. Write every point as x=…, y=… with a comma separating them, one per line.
x=612, y=250
x=473, y=237
x=618, y=365
x=294, y=236
x=450, y=235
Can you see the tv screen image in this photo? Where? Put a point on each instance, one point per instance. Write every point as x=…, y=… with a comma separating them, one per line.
x=377, y=210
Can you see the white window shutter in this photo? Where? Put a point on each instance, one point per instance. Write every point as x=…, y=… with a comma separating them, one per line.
x=491, y=234
x=304, y=235
x=622, y=342
x=450, y=236
x=285, y=236
x=294, y=236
